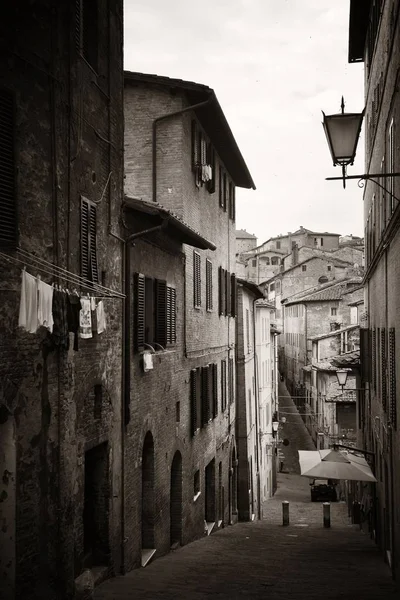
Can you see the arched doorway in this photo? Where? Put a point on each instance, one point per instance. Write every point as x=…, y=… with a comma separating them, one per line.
x=148, y=492
x=176, y=500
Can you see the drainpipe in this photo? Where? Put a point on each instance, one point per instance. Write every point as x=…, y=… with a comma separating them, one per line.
x=154, y=136
x=257, y=407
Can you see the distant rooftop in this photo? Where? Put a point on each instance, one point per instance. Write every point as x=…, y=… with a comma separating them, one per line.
x=242, y=234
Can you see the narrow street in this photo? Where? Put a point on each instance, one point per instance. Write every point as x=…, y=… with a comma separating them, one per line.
x=265, y=560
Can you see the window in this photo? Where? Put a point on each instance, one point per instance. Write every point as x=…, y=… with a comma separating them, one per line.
x=154, y=312
x=304, y=267
x=86, y=31
x=323, y=279
x=209, y=285
x=329, y=268
x=195, y=399
x=267, y=260
x=275, y=260
x=278, y=245
x=196, y=280
x=391, y=166
x=8, y=214
x=232, y=202
x=226, y=292
x=178, y=412
x=89, y=268
x=196, y=485
x=223, y=385
x=392, y=378
x=278, y=286
x=254, y=262
x=203, y=159
x=272, y=287
x=231, y=380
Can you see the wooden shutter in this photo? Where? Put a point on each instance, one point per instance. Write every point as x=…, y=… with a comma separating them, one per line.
x=225, y=192
x=209, y=286
x=392, y=378
x=231, y=381
x=94, y=272
x=221, y=188
x=171, y=315
x=373, y=357
x=233, y=217
x=227, y=293
x=210, y=402
x=220, y=291
x=78, y=25
x=8, y=216
x=223, y=385
x=365, y=354
x=233, y=295
x=215, y=389
x=383, y=369
x=139, y=310
x=194, y=401
x=205, y=395
x=85, y=239
x=161, y=312
x=196, y=279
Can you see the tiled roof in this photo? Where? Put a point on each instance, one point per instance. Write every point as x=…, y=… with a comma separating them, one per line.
x=332, y=333
x=348, y=359
x=333, y=290
x=242, y=234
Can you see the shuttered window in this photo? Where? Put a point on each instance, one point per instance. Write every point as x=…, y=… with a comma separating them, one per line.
x=392, y=378
x=154, y=312
x=365, y=354
x=89, y=267
x=195, y=157
x=196, y=399
x=232, y=201
x=225, y=191
x=231, y=381
x=8, y=216
x=373, y=359
x=196, y=280
x=211, y=161
x=221, y=188
x=223, y=385
x=227, y=293
x=87, y=30
x=383, y=369
x=233, y=295
x=215, y=389
x=209, y=285
x=139, y=298
x=206, y=394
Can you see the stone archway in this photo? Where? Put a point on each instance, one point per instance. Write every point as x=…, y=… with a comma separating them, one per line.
x=176, y=500
x=148, y=493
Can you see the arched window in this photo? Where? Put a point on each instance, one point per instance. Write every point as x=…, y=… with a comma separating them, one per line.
x=274, y=260
x=267, y=260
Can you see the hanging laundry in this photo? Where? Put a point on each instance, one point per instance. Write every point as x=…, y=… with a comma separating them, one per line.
x=101, y=317
x=45, y=305
x=73, y=309
x=60, y=335
x=85, y=319
x=28, y=308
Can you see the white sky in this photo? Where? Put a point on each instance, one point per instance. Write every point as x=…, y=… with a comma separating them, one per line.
x=274, y=65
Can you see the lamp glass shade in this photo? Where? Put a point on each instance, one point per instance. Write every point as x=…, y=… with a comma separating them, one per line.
x=342, y=132
x=275, y=426
x=341, y=375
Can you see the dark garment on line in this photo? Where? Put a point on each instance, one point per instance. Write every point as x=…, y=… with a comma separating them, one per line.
x=73, y=310
x=60, y=334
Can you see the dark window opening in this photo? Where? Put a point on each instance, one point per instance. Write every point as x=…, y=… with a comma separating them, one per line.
x=8, y=213
x=87, y=32
x=209, y=508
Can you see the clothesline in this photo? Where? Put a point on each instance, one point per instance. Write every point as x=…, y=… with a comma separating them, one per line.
x=44, y=266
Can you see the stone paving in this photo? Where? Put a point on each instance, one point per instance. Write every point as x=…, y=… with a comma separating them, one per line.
x=265, y=560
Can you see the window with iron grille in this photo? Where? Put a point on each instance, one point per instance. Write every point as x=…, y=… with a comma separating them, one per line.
x=392, y=378
x=8, y=213
x=154, y=312
x=209, y=285
x=87, y=30
x=196, y=280
x=89, y=268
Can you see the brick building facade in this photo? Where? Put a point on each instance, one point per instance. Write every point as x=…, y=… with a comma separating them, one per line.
x=61, y=85
x=181, y=156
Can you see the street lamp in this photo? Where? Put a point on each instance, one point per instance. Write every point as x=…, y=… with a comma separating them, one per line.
x=275, y=427
x=341, y=375
x=342, y=131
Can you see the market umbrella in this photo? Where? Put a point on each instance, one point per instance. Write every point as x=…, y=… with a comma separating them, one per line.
x=334, y=464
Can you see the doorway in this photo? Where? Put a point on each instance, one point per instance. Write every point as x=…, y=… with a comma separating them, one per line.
x=148, y=504
x=176, y=500
x=209, y=508
x=96, y=507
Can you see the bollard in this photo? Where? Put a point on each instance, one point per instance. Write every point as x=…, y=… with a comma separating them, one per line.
x=327, y=514
x=285, y=513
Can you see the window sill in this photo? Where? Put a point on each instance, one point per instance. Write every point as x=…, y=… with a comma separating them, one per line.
x=196, y=496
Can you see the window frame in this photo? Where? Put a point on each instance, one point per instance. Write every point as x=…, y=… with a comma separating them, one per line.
x=88, y=237
x=209, y=285
x=196, y=279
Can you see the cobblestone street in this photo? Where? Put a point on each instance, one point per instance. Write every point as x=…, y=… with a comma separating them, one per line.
x=265, y=560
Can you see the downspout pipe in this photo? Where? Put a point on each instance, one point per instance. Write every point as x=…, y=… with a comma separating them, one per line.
x=257, y=403
x=154, y=135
